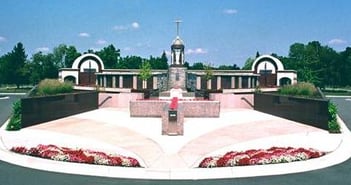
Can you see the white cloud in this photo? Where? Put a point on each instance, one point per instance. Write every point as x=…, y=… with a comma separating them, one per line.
x=101, y=42
x=196, y=51
x=230, y=11
x=2, y=39
x=84, y=34
x=42, y=49
x=337, y=41
x=133, y=25
x=120, y=27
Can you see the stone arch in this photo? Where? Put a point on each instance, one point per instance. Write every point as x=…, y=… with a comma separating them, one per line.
x=285, y=81
x=267, y=67
x=70, y=79
x=86, y=75
x=77, y=64
x=267, y=58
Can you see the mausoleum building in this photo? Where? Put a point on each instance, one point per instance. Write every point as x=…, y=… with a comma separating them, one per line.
x=266, y=71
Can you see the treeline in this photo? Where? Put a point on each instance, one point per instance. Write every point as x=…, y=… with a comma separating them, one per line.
x=317, y=64
x=17, y=69
x=320, y=65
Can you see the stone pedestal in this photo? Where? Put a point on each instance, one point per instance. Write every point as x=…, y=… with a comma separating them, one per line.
x=172, y=121
x=177, y=77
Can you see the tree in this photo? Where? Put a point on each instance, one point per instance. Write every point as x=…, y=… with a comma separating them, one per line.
x=145, y=73
x=13, y=66
x=248, y=64
x=257, y=54
x=109, y=55
x=41, y=67
x=64, y=55
x=197, y=66
x=129, y=62
x=345, y=67
x=228, y=67
x=71, y=55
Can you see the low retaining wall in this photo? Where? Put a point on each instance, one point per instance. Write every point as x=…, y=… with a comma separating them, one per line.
x=312, y=112
x=232, y=101
x=155, y=108
x=36, y=110
x=118, y=100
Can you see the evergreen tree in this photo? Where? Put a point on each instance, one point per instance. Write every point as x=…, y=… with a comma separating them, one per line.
x=13, y=66
x=109, y=55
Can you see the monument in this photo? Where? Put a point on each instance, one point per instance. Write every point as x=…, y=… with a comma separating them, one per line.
x=177, y=72
x=176, y=103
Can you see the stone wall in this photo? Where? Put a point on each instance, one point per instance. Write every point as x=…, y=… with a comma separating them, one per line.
x=312, y=112
x=37, y=110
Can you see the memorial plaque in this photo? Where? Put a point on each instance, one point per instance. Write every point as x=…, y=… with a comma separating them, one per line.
x=172, y=115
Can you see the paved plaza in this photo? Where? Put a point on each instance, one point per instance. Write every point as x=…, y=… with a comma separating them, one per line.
x=112, y=130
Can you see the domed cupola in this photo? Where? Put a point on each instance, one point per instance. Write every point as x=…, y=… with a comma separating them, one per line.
x=177, y=50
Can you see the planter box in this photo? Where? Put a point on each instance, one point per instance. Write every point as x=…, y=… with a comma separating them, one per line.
x=37, y=110
x=313, y=112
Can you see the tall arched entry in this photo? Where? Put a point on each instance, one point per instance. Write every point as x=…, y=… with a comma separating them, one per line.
x=267, y=67
x=88, y=65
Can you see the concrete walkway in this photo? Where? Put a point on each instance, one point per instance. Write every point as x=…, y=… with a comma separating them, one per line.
x=112, y=130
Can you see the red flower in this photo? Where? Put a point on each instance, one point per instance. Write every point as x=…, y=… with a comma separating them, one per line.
x=133, y=162
x=48, y=153
x=205, y=162
x=244, y=161
x=270, y=156
x=19, y=149
x=115, y=161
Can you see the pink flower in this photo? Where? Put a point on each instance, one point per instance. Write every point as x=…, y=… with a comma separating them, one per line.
x=272, y=155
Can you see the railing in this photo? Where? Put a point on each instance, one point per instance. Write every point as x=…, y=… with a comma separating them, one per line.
x=247, y=101
x=105, y=100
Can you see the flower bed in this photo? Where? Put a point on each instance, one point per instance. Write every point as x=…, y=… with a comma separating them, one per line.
x=273, y=155
x=77, y=155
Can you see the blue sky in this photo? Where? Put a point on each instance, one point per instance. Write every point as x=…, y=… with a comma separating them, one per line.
x=214, y=31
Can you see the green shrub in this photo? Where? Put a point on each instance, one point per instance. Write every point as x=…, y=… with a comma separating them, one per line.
x=333, y=125
x=52, y=87
x=301, y=89
x=15, y=120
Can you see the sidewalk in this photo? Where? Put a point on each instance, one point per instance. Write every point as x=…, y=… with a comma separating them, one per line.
x=176, y=157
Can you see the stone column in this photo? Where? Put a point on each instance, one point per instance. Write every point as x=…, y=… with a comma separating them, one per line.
x=154, y=82
x=113, y=81
x=198, y=82
x=135, y=82
x=121, y=81
x=232, y=84
x=105, y=81
x=97, y=80
x=209, y=84
x=240, y=82
x=249, y=82
x=257, y=82
x=219, y=81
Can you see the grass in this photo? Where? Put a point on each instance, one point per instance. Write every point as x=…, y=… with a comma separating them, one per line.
x=52, y=87
x=337, y=91
x=13, y=89
x=302, y=89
